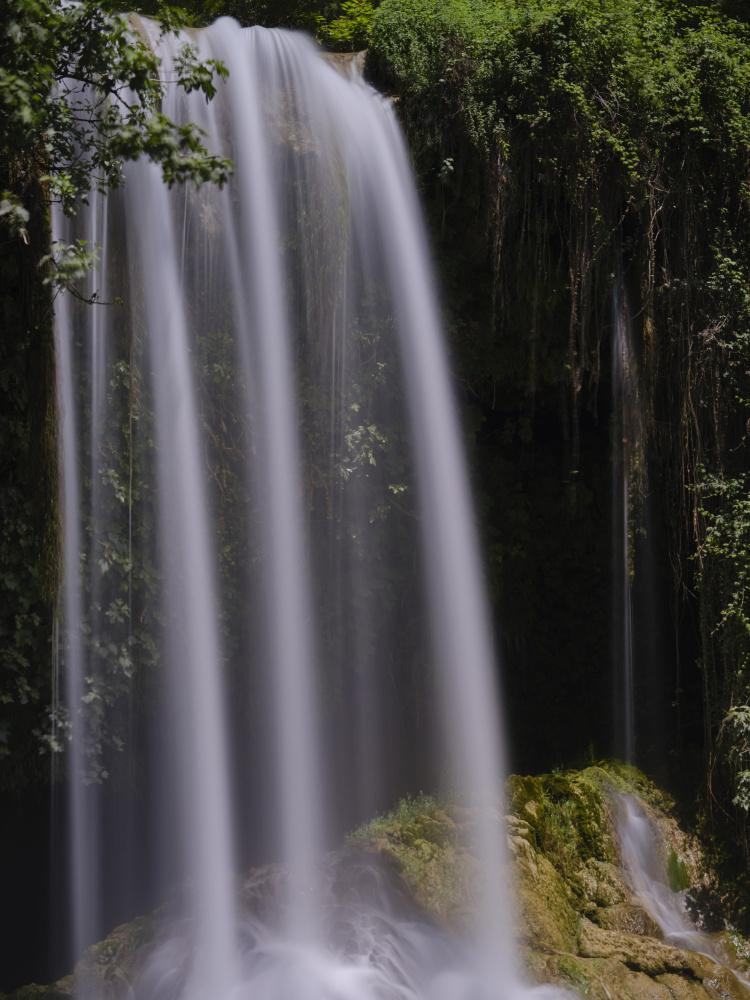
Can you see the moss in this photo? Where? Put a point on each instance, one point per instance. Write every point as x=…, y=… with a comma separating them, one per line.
x=676, y=871
x=61, y=990
x=428, y=846
x=435, y=829
x=576, y=827
x=548, y=920
x=105, y=951
x=406, y=811
x=575, y=973
x=525, y=800
x=739, y=946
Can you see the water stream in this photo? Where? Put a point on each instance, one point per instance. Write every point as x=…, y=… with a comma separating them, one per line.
x=643, y=860
x=624, y=444
x=646, y=871
x=274, y=609
x=641, y=699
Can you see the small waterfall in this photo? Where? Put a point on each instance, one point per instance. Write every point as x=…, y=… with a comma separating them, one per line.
x=274, y=610
x=643, y=860
x=646, y=871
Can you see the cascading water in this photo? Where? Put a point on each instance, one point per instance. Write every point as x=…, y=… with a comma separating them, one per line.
x=647, y=873
x=643, y=862
x=250, y=497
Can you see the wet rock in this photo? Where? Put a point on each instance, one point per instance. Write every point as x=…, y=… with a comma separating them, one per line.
x=641, y=953
x=547, y=921
x=628, y=918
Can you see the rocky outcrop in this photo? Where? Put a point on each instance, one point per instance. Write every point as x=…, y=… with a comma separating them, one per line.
x=580, y=923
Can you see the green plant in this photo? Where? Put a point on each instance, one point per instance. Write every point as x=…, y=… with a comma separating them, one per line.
x=676, y=871
x=407, y=810
x=80, y=93
x=350, y=29
x=588, y=140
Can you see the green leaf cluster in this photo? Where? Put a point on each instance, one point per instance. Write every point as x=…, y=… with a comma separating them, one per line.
x=350, y=28
x=81, y=92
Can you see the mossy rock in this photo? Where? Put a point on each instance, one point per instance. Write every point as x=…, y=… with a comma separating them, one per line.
x=61, y=990
x=526, y=801
x=436, y=828
x=577, y=925
x=567, y=813
x=546, y=918
x=676, y=871
x=601, y=883
x=627, y=918
x=573, y=971
x=576, y=801
x=734, y=950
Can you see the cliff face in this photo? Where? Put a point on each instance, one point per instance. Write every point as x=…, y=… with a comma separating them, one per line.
x=573, y=156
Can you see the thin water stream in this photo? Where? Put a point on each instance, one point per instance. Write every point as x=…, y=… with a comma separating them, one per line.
x=625, y=446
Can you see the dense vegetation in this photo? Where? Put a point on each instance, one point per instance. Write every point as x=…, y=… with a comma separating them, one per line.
x=568, y=143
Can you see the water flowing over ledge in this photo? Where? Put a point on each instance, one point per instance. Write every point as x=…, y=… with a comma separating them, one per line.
x=266, y=501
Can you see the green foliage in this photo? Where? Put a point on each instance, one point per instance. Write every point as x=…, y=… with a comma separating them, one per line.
x=573, y=808
x=559, y=143
x=27, y=516
x=429, y=840
x=313, y=16
x=724, y=577
x=120, y=633
x=676, y=871
x=25, y=649
x=737, y=724
x=725, y=507
x=565, y=812
x=350, y=29
x=340, y=26
x=406, y=811
x=81, y=92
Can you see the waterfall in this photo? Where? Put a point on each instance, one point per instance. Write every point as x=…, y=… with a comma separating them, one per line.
x=274, y=611
x=643, y=853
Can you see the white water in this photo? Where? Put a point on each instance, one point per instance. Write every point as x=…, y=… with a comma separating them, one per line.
x=643, y=852
x=646, y=870
x=311, y=267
